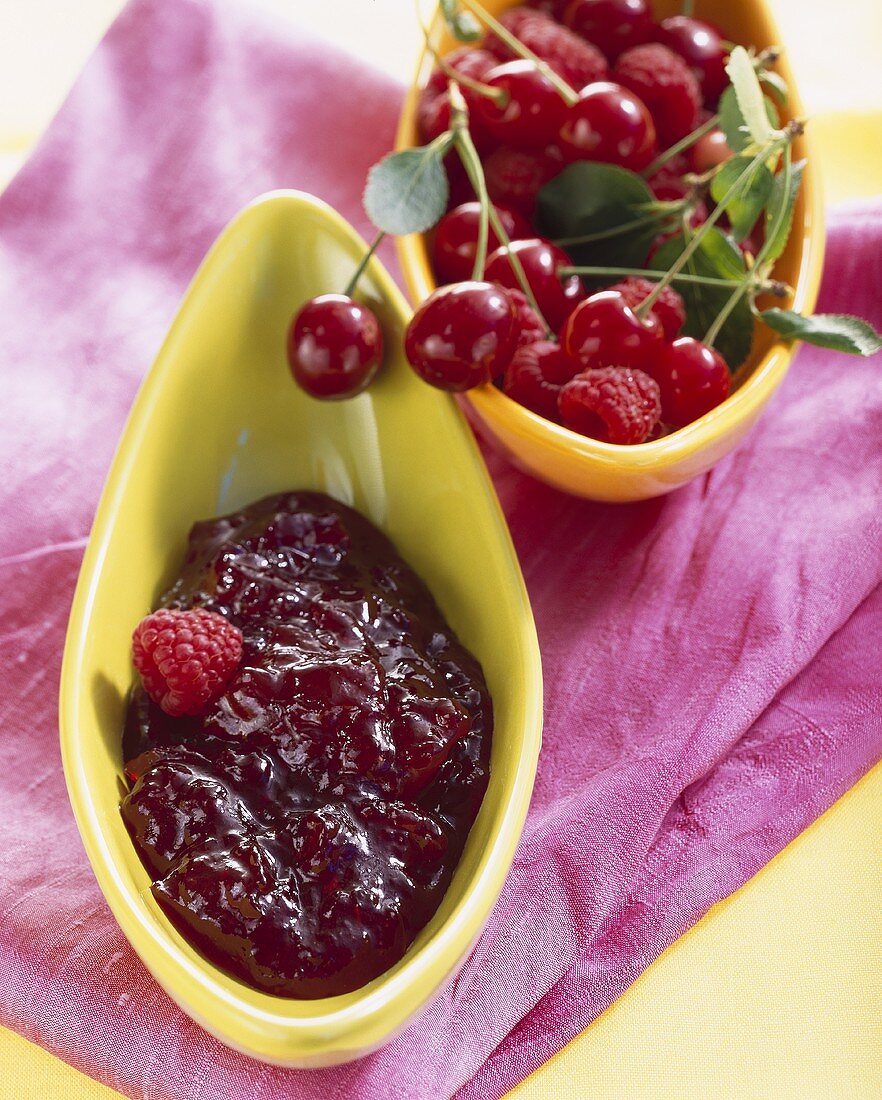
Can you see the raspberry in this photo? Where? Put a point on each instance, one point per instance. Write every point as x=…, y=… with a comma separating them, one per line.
x=535, y=375
x=514, y=178
x=573, y=59
x=668, y=308
x=185, y=658
x=433, y=107
x=667, y=86
x=530, y=324
x=613, y=404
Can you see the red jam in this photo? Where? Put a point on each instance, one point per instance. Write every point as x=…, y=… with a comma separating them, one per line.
x=303, y=830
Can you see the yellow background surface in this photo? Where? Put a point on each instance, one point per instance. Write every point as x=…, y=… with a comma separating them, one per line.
x=777, y=992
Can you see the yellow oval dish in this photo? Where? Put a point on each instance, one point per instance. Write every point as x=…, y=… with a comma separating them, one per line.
x=218, y=423
x=606, y=471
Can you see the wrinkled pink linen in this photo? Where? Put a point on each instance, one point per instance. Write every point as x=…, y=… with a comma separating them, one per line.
x=711, y=659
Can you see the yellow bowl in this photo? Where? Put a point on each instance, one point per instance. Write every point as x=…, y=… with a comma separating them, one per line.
x=217, y=423
x=604, y=471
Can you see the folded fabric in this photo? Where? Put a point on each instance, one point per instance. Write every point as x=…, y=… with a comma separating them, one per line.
x=711, y=679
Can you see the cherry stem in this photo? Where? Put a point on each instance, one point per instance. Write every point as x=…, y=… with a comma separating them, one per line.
x=681, y=146
x=365, y=260
x=769, y=150
x=687, y=8
x=617, y=230
x=471, y=161
x=642, y=273
x=459, y=123
x=566, y=92
x=758, y=284
x=498, y=95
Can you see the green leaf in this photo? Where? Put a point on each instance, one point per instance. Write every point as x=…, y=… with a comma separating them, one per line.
x=732, y=121
x=776, y=241
x=590, y=198
x=745, y=207
x=407, y=192
x=838, y=331
x=776, y=84
x=718, y=257
x=461, y=24
x=749, y=94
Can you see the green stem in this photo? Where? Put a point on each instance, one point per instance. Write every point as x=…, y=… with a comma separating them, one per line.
x=568, y=94
x=642, y=273
x=616, y=230
x=781, y=212
x=757, y=271
x=496, y=94
x=459, y=122
x=468, y=154
x=365, y=260
x=687, y=8
x=689, y=251
x=682, y=145
x=710, y=337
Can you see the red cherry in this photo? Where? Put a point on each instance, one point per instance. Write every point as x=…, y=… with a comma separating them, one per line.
x=540, y=260
x=335, y=346
x=462, y=335
x=604, y=331
x=531, y=110
x=456, y=239
x=701, y=47
x=554, y=8
x=693, y=379
x=709, y=151
x=611, y=124
x=535, y=375
x=515, y=176
x=613, y=25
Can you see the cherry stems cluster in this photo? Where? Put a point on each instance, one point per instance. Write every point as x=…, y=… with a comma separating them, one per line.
x=771, y=150
x=756, y=277
x=468, y=154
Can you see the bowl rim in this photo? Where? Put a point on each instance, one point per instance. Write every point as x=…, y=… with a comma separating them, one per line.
x=757, y=383
x=325, y=1030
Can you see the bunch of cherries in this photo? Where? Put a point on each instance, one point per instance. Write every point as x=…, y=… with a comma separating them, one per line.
x=603, y=364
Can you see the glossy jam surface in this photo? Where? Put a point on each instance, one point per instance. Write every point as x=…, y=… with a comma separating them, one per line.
x=304, y=829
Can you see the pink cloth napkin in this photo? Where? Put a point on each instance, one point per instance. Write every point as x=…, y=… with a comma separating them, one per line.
x=711, y=659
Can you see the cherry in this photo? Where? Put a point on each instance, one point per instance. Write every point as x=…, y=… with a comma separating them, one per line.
x=701, y=47
x=554, y=8
x=456, y=239
x=709, y=151
x=462, y=335
x=613, y=25
x=335, y=346
x=531, y=109
x=693, y=379
x=516, y=176
x=535, y=375
x=540, y=260
x=604, y=331
x=611, y=124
